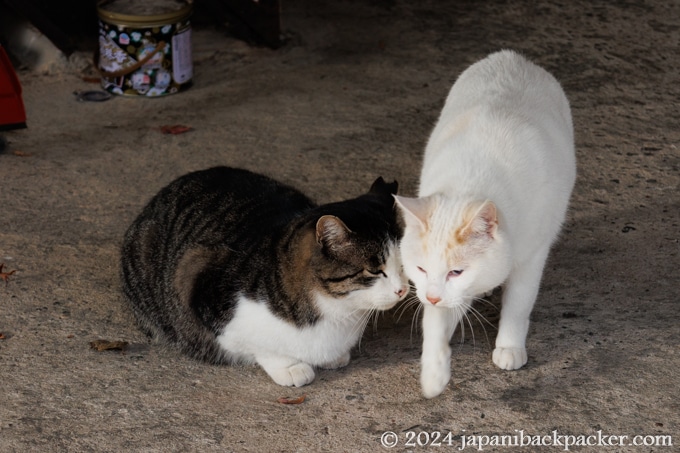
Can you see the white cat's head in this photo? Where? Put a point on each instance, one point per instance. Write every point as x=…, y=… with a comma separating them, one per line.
x=452, y=250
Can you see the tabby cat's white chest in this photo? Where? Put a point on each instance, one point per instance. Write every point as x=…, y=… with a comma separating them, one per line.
x=254, y=329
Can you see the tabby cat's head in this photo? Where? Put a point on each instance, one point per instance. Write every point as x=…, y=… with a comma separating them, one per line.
x=357, y=258
x=453, y=250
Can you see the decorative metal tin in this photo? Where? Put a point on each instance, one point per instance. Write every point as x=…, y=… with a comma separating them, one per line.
x=145, y=46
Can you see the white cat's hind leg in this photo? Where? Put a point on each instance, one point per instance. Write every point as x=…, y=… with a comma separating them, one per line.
x=438, y=327
x=519, y=296
x=287, y=371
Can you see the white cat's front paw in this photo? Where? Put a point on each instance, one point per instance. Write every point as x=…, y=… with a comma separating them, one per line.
x=435, y=376
x=509, y=358
x=342, y=361
x=295, y=375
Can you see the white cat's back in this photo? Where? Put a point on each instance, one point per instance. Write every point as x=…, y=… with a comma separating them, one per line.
x=506, y=79
x=505, y=134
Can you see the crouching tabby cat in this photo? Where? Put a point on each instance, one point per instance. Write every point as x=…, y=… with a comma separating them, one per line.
x=497, y=175
x=232, y=266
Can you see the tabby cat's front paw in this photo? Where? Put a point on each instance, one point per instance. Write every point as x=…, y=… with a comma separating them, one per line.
x=295, y=375
x=509, y=358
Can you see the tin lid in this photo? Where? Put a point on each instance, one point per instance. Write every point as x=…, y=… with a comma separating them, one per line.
x=145, y=12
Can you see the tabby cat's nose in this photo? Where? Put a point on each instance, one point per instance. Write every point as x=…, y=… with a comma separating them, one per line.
x=401, y=292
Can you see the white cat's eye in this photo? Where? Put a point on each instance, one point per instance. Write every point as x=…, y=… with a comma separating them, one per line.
x=422, y=270
x=454, y=273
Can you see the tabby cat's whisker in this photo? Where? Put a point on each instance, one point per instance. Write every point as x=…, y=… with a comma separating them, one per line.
x=414, y=320
x=376, y=314
x=360, y=326
x=408, y=303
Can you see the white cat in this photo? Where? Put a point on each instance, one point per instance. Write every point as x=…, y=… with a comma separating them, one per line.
x=497, y=175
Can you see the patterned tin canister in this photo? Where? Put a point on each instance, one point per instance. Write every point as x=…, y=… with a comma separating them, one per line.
x=145, y=46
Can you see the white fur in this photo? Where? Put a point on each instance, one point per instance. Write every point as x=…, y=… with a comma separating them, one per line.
x=504, y=135
x=288, y=353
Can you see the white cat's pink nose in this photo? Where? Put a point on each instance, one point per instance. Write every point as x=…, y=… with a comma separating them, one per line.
x=433, y=299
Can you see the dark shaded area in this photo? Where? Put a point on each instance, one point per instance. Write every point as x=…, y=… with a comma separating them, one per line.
x=72, y=24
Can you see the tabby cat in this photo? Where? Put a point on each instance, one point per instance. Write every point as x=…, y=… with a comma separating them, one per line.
x=497, y=176
x=232, y=266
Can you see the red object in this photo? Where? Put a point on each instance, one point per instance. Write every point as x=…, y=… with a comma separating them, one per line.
x=12, y=113
x=175, y=130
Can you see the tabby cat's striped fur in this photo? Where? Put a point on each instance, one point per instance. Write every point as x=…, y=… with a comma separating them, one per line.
x=230, y=266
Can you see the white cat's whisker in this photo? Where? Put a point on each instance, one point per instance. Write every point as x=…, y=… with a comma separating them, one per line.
x=462, y=309
x=486, y=302
x=481, y=316
x=481, y=320
x=453, y=314
x=472, y=330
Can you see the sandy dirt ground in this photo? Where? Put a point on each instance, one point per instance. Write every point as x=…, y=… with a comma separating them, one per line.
x=353, y=95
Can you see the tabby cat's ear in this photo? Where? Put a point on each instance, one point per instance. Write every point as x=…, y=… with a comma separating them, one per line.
x=332, y=233
x=379, y=186
x=415, y=210
x=484, y=221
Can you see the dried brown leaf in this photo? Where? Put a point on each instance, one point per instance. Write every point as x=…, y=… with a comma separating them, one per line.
x=5, y=275
x=107, y=345
x=292, y=400
x=175, y=129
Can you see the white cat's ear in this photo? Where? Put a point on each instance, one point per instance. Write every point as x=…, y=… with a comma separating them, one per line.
x=415, y=210
x=484, y=221
x=332, y=233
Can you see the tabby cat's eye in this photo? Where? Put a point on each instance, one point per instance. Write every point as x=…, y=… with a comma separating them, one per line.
x=376, y=272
